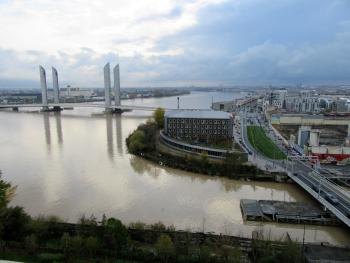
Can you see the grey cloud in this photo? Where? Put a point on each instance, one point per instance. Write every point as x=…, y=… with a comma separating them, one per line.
x=270, y=62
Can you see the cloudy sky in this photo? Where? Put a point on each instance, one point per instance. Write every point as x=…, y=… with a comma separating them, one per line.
x=176, y=42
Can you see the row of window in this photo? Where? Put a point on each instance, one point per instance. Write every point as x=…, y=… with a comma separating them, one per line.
x=195, y=126
x=196, y=137
x=197, y=121
x=186, y=131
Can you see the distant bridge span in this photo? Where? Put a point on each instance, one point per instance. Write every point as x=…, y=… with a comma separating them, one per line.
x=89, y=105
x=81, y=105
x=108, y=105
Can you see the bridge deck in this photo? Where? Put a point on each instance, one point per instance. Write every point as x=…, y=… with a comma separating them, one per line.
x=310, y=182
x=90, y=105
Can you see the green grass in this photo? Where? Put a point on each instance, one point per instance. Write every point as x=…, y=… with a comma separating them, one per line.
x=263, y=144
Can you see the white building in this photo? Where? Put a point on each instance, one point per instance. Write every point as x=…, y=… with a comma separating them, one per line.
x=277, y=98
x=304, y=101
x=76, y=92
x=228, y=106
x=341, y=105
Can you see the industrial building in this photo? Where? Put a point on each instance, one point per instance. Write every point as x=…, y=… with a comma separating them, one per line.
x=198, y=126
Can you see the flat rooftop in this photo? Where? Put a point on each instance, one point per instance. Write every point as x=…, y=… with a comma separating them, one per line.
x=198, y=114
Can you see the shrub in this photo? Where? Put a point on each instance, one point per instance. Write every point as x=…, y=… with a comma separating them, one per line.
x=159, y=226
x=115, y=234
x=91, y=245
x=50, y=257
x=15, y=223
x=137, y=225
x=31, y=244
x=165, y=247
x=158, y=116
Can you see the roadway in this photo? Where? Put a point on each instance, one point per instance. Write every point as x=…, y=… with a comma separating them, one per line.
x=333, y=197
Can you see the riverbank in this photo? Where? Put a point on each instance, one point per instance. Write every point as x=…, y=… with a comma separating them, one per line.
x=48, y=239
x=145, y=143
x=90, y=241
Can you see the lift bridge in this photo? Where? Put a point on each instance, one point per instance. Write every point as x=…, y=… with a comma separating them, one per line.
x=109, y=105
x=306, y=172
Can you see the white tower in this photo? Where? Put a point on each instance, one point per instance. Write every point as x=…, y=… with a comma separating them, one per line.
x=43, y=87
x=107, y=82
x=116, y=85
x=56, y=91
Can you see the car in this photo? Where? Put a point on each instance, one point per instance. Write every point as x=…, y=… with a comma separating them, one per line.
x=295, y=174
x=332, y=199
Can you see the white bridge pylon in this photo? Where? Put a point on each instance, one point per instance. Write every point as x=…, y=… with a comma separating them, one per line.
x=107, y=86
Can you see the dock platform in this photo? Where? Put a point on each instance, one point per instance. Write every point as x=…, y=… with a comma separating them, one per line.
x=285, y=212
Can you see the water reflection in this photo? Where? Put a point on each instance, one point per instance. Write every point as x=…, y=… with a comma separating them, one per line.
x=47, y=130
x=241, y=188
x=109, y=130
x=140, y=166
x=110, y=134
x=118, y=124
x=59, y=128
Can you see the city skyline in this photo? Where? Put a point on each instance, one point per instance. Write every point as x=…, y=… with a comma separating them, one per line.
x=177, y=43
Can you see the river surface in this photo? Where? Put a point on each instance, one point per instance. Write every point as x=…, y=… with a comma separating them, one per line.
x=76, y=163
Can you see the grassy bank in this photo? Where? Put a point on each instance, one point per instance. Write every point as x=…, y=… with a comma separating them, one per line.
x=263, y=144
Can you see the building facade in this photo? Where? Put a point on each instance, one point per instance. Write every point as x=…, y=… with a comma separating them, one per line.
x=198, y=126
x=228, y=106
x=76, y=92
x=301, y=103
x=341, y=105
x=306, y=101
x=277, y=98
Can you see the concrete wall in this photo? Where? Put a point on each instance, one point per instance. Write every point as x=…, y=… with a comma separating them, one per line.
x=307, y=120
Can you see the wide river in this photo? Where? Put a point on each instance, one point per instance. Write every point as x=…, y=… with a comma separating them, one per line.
x=76, y=163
